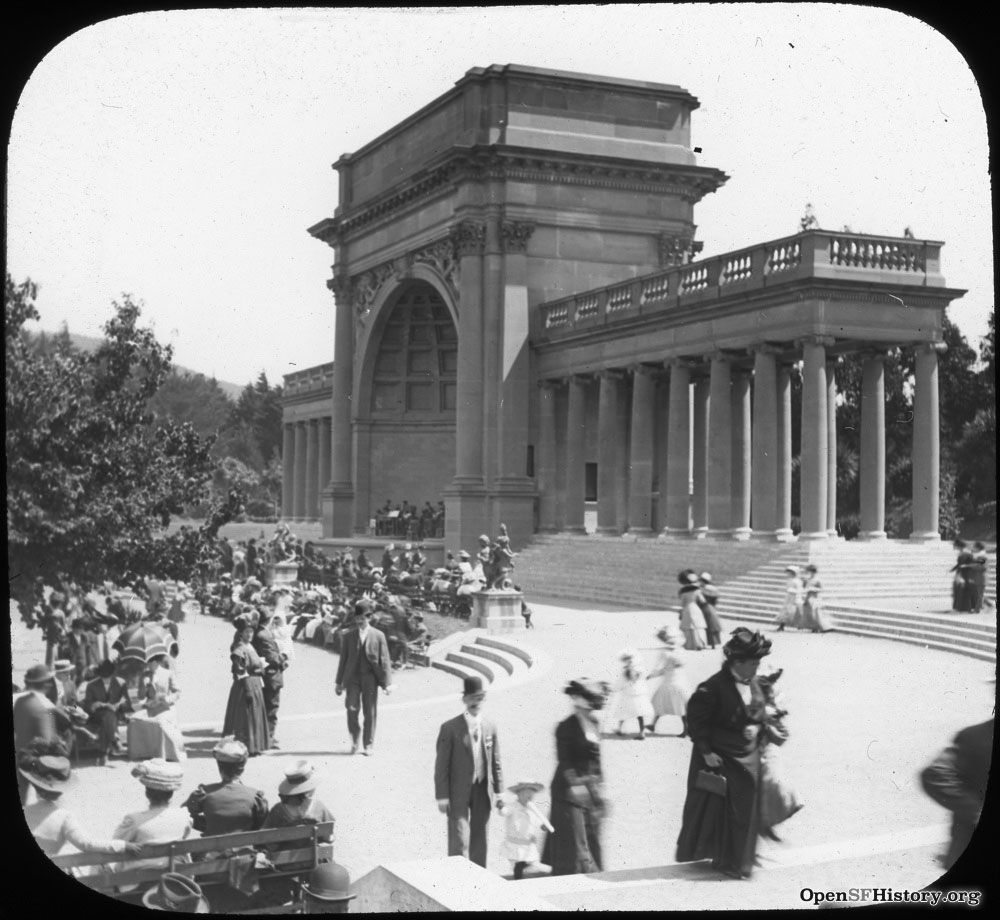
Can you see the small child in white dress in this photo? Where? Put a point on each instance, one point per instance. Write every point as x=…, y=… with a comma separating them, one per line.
x=523, y=826
x=631, y=695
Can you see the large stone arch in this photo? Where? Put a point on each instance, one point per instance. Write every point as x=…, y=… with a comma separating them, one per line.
x=405, y=390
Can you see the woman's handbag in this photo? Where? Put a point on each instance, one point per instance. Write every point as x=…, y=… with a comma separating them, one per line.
x=707, y=781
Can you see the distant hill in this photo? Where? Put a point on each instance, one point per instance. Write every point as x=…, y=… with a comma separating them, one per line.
x=92, y=343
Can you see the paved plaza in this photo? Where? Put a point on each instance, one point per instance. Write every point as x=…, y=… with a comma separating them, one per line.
x=866, y=715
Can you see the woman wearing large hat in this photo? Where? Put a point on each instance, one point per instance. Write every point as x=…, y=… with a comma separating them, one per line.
x=160, y=822
x=725, y=715
x=577, y=792
x=692, y=619
x=45, y=766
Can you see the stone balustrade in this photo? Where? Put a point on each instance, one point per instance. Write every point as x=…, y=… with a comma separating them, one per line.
x=310, y=380
x=810, y=254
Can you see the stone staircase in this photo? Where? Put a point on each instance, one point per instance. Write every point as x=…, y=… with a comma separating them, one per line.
x=886, y=590
x=474, y=652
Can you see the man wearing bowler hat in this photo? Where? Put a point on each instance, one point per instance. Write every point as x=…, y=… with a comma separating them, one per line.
x=364, y=667
x=467, y=774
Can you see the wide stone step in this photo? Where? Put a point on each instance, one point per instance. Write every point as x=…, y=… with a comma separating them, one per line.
x=958, y=637
x=472, y=663
x=454, y=668
x=496, y=657
x=942, y=644
x=508, y=648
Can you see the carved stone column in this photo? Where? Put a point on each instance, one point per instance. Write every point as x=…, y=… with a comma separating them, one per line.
x=608, y=493
x=742, y=466
x=545, y=458
x=338, y=495
x=465, y=498
x=720, y=447
x=812, y=496
x=640, y=503
x=783, y=481
x=764, y=483
x=699, y=457
x=576, y=430
x=675, y=494
x=299, y=488
x=831, y=448
x=926, y=445
x=287, y=470
x=872, y=472
x=312, y=469
x=325, y=449
x=514, y=491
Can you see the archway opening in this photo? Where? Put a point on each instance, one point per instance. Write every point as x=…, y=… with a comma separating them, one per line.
x=406, y=432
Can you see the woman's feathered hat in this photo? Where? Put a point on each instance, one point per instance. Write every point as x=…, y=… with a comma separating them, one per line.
x=593, y=691
x=745, y=645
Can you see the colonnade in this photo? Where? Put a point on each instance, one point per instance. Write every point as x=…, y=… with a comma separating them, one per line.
x=726, y=470
x=307, y=449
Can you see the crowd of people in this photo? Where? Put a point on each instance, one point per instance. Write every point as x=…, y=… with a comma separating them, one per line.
x=409, y=522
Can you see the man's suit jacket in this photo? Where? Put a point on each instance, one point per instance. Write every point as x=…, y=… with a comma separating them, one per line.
x=33, y=718
x=375, y=648
x=716, y=715
x=265, y=645
x=116, y=692
x=454, y=766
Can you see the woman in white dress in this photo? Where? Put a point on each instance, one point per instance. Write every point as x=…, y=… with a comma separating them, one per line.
x=812, y=608
x=672, y=693
x=692, y=619
x=631, y=695
x=162, y=694
x=791, y=611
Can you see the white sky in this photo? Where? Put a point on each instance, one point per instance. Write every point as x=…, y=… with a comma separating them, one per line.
x=180, y=156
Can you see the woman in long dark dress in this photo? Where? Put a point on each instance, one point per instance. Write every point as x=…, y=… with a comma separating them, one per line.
x=961, y=587
x=245, y=717
x=708, y=603
x=725, y=715
x=574, y=846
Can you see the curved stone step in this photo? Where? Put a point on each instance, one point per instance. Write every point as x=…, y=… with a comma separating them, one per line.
x=454, y=669
x=495, y=657
x=507, y=647
x=475, y=664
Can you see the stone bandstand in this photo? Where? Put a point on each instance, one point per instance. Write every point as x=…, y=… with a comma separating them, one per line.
x=522, y=322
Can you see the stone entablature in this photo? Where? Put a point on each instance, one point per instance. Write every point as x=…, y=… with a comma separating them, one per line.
x=307, y=384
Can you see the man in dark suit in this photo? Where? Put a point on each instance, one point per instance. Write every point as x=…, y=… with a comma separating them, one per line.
x=104, y=699
x=957, y=780
x=34, y=715
x=266, y=646
x=364, y=667
x=467, y=774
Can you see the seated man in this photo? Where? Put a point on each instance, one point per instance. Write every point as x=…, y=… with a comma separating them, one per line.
x=106, y=701
x=471, y=579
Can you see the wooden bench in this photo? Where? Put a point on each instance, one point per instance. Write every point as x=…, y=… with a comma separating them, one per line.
x=114, y=870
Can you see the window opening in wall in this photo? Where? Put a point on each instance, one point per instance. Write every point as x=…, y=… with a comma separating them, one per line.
x=590, y=482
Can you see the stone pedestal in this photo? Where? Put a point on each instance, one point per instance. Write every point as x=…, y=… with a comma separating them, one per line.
x=281, y=573
x=499, y=611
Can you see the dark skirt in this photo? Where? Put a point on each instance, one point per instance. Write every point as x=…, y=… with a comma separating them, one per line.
x=574, y=846
x=245, y=716
x=961, y=596
x=723, y=828
x=713, y=626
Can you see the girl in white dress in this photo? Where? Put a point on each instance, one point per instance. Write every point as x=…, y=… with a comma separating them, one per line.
x=791, y=612
x=812, y=608
x=671, y=695
x=522, y=830
x=631, y=695
x=162, y=694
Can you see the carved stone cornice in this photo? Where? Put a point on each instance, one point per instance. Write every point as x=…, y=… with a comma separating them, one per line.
x=514, y=235
x=677, y=248
x=469, y=237
x=690, y=183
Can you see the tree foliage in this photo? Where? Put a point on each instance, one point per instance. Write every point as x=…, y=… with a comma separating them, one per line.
x=93, y=476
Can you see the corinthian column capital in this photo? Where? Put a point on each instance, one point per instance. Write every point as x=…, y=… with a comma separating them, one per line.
x=826, y=341
x=514, y=235
x=469, y=237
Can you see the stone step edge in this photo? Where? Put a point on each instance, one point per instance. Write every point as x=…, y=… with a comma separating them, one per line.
x=470, y=662
x=482, y=652
x=926, y=643
x=507, y=647
x=987, y=630
x=455, y=670
x=985, y=643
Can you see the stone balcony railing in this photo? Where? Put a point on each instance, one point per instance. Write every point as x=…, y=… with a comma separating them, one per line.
x=812, y=254
x=311, y=380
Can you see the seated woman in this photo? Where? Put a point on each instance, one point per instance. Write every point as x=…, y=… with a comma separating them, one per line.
x=162, y=694
x=45, y=765
x=160, y=822
x=298, y=803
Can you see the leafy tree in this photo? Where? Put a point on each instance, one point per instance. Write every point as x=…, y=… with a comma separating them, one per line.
x=259, y=409
x=195, y=399
x=93, y=477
